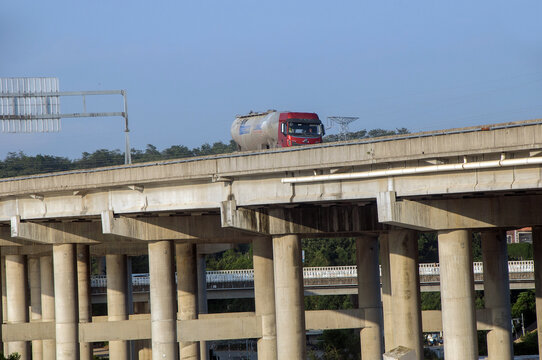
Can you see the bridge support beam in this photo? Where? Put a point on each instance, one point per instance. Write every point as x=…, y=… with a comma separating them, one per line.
x=83, y=292
x=497, y=294
x=457, y=295
x=369, y=297
x=264, y=297
x=116, y=301
x=187, y=294
x=162, y=296
x=16, y=300
x=289, y=302
x=405, y=290
x=47, y=302
x=67, y=331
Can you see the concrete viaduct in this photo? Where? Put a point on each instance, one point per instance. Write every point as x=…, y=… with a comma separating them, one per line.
x=381, y=191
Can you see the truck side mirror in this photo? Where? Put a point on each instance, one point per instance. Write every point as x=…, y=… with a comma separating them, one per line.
x=322, y=130
x=283, y=128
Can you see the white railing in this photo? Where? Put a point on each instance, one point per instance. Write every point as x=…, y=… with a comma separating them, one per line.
x=429, y=269
x=245, y=275
x=327, y=272
x=330, y=272
x=98, y=281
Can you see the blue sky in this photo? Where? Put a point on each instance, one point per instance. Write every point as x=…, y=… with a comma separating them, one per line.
x=190, y=66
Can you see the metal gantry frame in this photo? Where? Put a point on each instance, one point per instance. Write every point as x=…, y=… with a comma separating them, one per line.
x=343, y=122
x=39, y=111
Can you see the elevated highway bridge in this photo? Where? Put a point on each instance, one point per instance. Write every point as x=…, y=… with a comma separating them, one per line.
x=382, y=191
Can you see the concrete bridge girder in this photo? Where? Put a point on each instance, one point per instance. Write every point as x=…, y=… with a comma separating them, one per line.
x=455, y=214
x=316, y=221
x=199, y=228
x=129, y=237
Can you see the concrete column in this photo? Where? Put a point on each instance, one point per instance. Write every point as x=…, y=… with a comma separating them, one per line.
x=264, y=297
x=386, y=291
x=16, y=300
x=47, y=302
x=142, y=349
x=537, y=249
x=83, y=293
x=35, y=302
x=202, y=300
x=187, y=294
x=116, y=301
x=4, y=346
x=162, y=296
x=457, y=295
x=497, y=294
x=369, y=297
x=405, y=290
x=289, y=301
x=65, y=275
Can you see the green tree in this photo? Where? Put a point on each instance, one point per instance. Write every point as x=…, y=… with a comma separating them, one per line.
x=14, y=356
x=329, y=252
x=99, y=158
x=341, y=344
x=527, y=345
x=364, y=134
x=430, y=300
x=428, y=248
x=476, y=247
x=520, y=251
x=525, y=304
x=239, y=257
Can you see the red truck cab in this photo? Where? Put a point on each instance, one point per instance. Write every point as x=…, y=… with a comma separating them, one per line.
x=299, y=129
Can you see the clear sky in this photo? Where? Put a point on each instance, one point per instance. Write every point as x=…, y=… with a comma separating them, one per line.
x=190, y=66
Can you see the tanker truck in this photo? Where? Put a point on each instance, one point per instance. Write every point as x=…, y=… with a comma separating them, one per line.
x=273, y=129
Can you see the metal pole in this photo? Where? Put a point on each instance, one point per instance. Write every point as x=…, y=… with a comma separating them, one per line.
x=127, y=153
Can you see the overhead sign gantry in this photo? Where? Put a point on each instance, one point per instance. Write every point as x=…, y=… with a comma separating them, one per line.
x=30, y=105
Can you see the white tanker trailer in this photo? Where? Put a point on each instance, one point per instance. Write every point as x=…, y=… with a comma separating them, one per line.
x=274, y=129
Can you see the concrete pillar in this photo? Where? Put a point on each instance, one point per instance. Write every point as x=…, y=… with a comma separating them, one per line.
x=405, y=290
x=83, y=294
x=187, y=294
x=202, y=300
x=369, y=297
x=130, y=302
x=497, y=294
x=66, y=311
x=142, y=348
x=116, y=301
x=386, y=291
x=537, y=250
x=289, y=301
x=16, y=300
x=457, y=295
x=264, y=297
x=47, y=302
x=4, y=346
x=35, y=302
x=162, y=296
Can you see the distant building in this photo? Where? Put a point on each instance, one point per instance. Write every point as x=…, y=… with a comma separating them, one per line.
x=523, y=235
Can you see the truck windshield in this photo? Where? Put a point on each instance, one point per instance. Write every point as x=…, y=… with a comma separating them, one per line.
x=304, y=129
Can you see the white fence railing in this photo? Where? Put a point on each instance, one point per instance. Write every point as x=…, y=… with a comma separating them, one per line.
x=327, y=272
